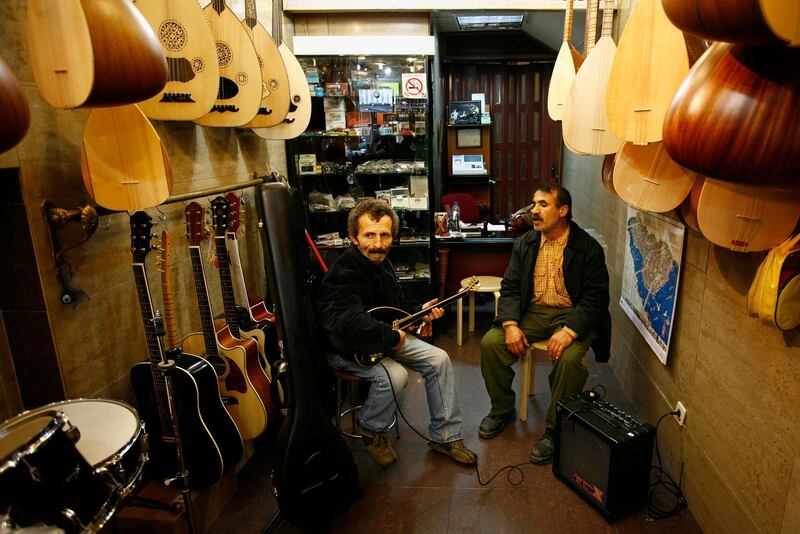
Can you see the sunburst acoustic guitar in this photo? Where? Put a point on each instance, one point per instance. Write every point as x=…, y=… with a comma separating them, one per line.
x=93, y=53
x=274, y=80
x=650, y=63
x=191, y=52
x=585, y=123
x=123, y=162
x=299, y=113
x=738, y=21
x=239, y=92
x=14, y=108
x=567, y=64
x=735, y=115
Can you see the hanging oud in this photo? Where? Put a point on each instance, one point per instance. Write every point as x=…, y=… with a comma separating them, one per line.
x=93, y=53
x=124, y=165
x=735, y=116
x=646, y=178
x=585, y=123
x=299, y=112
x=14, y=109
x=567, y=64
x=274, y=80
x=746, y=218
x=239, y=92
x=738, y=21
x=650, y=63
x=187, y=42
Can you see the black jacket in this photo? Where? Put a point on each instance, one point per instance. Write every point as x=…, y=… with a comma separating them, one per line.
x=352, y=285
x=585, y=279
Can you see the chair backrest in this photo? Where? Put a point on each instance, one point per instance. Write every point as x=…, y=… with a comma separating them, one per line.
x=467, y=204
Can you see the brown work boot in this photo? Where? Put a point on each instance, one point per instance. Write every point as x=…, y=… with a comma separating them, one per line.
x=378, y=446
x=455, y=450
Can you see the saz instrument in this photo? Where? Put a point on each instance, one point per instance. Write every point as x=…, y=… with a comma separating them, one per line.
x=239, y=92
x=299, y=112
x=14, y=109
x=735, y=116
x=590, y=34
x=219, y=214
x=608, y=174
x=650, y=63
x=746, y=218
x=646, y=178
x=93, y=53
x=688, y=208
x=567, y=64
x=124, y=165
x=585, y=123
x=738, y=21
x=242, y=382
x=191, y=52
x=400, y=320
x=210, y=442
x=274, y=80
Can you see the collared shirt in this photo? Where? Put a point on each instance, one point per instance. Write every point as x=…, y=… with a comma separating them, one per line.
x=548, y=273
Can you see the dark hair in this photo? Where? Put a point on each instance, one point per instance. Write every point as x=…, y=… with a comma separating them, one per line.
x=562, y=195
x=377, y=209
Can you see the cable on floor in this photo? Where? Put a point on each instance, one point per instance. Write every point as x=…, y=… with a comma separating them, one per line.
x=664, y=482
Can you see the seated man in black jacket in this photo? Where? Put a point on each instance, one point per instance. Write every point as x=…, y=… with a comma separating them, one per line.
x=555, y=288
x=361, y=279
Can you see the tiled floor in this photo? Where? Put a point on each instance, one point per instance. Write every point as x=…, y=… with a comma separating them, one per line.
x=427, y=492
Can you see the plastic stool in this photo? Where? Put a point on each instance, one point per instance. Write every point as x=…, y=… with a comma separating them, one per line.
x=489, y=284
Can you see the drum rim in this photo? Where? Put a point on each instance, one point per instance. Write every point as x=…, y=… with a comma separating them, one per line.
x=58, y=419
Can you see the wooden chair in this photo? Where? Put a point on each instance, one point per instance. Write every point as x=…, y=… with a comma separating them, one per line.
x=527, y=376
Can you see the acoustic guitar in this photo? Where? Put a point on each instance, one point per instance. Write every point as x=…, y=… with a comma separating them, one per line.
x=93, y=53
x=735, y=116
x=567, y=64
x=299, y=113
x=14, y=108
x=400, y=320
x=191, y=52
x=124, y=165
x=646, y=178
x=239, y=92
x=274, y=80
x=200, y=418
x=242, y=382
x=746, y=218
x=738, y=21
x=219, y=215
x=585, y=123
x=649, y=66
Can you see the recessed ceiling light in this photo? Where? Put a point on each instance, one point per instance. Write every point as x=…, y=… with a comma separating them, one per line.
x=489, y=22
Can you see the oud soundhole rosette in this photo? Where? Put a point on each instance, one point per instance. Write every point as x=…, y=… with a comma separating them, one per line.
x=272, y=84
x=241, y=78
x=172, y=35
x=198, y=64
x=224, y=54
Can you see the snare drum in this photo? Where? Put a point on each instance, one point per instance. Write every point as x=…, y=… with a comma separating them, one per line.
x=71, y=463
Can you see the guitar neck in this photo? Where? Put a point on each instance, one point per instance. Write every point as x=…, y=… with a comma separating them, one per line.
x=239, y=285
x=250, y=16
x=154, y=350
x=204, y=304
x=277, y=21
x=591, y=26
x=228, y=299
x=608, y=18
x=166, y=292
x=424, y=311
x=568, y=20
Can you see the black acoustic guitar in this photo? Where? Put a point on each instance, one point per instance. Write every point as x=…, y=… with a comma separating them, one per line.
x=210, y=441
x=400, y=320
x=315, y=478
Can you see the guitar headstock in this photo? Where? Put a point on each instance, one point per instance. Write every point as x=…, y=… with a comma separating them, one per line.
x=234, y=209
x=473, y=283
x=195, y=227
x=219, y=216
x=141, y=235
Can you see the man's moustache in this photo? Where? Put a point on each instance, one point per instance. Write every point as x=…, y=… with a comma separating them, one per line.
x=377, y=251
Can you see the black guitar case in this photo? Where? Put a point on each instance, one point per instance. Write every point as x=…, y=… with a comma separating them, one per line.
x=315, y=477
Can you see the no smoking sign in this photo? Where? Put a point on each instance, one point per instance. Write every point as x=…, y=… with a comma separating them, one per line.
x=415, y=85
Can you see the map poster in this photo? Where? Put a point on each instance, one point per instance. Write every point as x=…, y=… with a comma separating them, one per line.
x=653, y=253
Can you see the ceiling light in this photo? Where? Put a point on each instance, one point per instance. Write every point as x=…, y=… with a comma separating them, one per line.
x=489, y=22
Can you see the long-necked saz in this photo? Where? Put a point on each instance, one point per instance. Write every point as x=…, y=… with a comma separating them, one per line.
x=567, y=64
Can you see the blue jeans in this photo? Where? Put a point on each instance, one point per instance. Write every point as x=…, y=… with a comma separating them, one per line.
x=435, y=367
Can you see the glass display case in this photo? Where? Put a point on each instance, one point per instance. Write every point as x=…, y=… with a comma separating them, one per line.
x=368, y=138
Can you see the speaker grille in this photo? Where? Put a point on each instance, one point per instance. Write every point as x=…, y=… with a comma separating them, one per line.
x=585, y=460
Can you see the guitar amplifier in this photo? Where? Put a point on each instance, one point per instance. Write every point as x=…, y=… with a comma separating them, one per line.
x=603, y=454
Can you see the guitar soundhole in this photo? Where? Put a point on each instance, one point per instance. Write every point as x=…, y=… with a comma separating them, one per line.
x=224, y=54
x=241, y=78
x=198, y=64
x=172, y=35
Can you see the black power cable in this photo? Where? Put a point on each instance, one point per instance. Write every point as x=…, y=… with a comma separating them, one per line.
x=664, y=482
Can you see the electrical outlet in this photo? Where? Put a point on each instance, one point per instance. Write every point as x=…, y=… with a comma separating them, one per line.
x=681, y=417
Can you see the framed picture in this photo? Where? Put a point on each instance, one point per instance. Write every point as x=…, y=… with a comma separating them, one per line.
x=464, y=112
x=468, y=138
